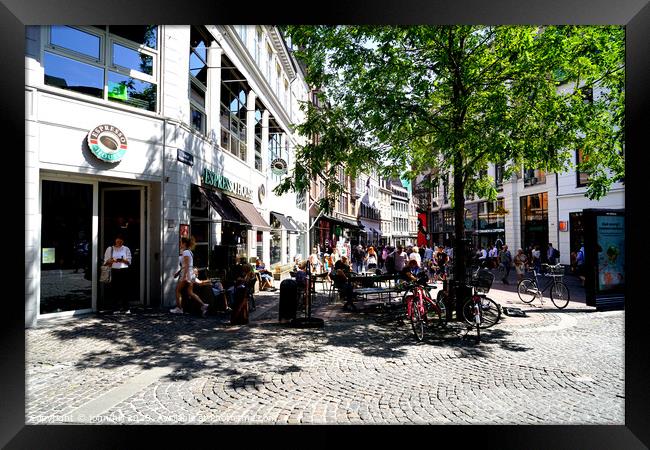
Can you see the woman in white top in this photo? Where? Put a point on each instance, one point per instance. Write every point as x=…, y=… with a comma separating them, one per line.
x=186, y=278
x=415, y=256
x=118, y=256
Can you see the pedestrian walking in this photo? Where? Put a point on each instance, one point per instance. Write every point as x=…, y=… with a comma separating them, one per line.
x=521, y=260
x=552, y=254
x=506, y=262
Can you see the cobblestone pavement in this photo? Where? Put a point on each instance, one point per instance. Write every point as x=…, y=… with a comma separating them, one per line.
x=551, y=367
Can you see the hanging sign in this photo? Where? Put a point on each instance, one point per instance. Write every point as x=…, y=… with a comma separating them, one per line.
x=107, y=143
x=279, y=166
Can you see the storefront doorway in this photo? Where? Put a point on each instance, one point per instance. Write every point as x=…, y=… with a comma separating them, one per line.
x=66, y=247
x=122, y=212
x=534, y=222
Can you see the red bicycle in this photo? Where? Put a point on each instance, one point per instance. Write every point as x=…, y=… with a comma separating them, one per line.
x=422, y=310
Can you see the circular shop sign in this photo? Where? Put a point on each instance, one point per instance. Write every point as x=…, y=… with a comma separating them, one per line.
x=261, y=193
x=107, y=143
x=279, y=166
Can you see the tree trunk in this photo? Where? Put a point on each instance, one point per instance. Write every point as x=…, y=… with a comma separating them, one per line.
x=459, y=235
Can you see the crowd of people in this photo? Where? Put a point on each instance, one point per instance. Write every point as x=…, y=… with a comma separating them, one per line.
x=339, y=264
x=434, y=260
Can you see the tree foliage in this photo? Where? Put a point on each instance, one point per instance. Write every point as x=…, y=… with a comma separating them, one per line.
x=455, y=98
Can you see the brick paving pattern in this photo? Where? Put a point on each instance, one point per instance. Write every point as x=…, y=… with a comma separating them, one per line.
x=551, y=367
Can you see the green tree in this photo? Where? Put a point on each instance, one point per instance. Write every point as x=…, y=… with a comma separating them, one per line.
x=449, y=100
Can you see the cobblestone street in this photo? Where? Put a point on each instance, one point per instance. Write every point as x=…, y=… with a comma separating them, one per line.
x=551, y=367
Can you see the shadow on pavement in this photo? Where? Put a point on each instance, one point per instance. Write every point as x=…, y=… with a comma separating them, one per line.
x=565, y=310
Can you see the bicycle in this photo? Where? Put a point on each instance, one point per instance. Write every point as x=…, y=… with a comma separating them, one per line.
x=421, y=309
x=528, y=288
x=479, y=310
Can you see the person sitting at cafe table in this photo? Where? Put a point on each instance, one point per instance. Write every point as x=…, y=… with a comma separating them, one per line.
x=343, y=264
x=344, y=286
x=265, y=275
x=411, y=271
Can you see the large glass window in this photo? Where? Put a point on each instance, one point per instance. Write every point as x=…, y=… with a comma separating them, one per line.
x=131, y=91
x=490, y=215
x=116, y=63
x=67, y=73
x=198, y=79
x=66, y=246
x=131, y=59
x=76, y=40
x=233, y=110
x=534, y=221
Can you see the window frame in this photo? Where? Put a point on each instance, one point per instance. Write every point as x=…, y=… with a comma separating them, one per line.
x=192, y=80
x=579, y=174
x=105, y=60
x=233, y=118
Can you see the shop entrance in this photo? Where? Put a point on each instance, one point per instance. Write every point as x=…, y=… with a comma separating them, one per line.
x=122, y=212
x=66, y=247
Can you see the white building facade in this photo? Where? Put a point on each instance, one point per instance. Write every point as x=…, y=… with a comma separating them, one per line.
x=155, y=132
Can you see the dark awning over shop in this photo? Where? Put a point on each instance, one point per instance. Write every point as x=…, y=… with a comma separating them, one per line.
x=343, y=222
x=224, y=207
x=285, y=222
x=300, y=227
x=251, y=214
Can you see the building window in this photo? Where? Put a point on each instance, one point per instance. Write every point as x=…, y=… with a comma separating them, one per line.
x=534, y=221
x=198, y=79
x=278, y=77
x=116, y=63
x=242, y=32
x=258, y=39
x=301, y=200
x=233, y=110
x=277, y=146
x=582, y=177
x=490, y=215
x=343, y=204
x=258, y=138
x=534, y=176
x=269, y=62
x=445, y=190
x=498, y=175
x=448, y=219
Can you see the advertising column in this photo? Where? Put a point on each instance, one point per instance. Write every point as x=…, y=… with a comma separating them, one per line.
x=605, y=257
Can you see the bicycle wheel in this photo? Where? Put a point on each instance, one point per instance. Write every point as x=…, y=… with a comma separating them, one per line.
x=468, y=312
x=417, y=322
x=560, y=295
x=527, y=290
x=436, y=314
x=490, y=312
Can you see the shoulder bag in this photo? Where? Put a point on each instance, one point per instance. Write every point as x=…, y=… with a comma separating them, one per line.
x=105, y=271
